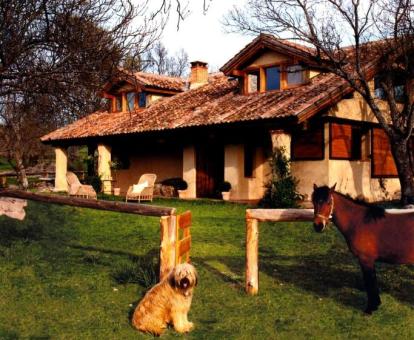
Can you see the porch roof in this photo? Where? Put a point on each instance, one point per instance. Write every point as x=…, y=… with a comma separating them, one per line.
x=218, y=102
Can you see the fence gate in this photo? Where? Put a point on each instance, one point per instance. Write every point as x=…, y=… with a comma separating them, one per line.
x=183, y=241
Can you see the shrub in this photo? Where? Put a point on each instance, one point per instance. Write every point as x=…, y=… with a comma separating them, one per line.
x=178, y=183
x=281, y=191
x=140, y=272
x=224, y=186
x=95, y=181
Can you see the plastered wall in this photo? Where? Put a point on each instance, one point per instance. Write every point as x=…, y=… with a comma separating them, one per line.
x=351, y=177
x=268, y=58
x=244, y=188
x=164, y=163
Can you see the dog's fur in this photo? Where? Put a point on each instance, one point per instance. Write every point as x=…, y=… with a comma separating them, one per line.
x=168, y=302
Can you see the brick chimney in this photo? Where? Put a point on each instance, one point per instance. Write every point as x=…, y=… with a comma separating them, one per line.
x=199, y=74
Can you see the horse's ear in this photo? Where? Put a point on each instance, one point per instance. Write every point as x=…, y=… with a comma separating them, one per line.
x=315, y=186
x=333, y=188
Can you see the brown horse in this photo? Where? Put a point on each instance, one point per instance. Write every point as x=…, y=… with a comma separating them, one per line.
x=372, y=234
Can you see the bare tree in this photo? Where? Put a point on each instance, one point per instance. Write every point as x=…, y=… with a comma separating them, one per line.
x=380, y=34
x=180, y=7
x=159, y=61
x=55, y=56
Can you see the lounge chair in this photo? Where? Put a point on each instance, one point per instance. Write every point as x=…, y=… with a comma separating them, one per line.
x=76, y=188
x=143, y=191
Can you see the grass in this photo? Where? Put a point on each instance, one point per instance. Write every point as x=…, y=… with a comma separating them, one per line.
x=71, y=273
x=4, y=165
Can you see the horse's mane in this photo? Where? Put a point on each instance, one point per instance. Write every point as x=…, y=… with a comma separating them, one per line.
x=373, y=211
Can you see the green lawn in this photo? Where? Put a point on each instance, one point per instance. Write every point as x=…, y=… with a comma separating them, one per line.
x=71, y=273
x=4, y=165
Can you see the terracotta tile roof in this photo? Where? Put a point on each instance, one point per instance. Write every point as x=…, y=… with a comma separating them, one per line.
x=266, y=40
x=217, y=102
x=161, y=81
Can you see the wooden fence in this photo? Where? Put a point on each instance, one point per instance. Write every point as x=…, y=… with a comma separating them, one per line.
x=253, y=217
x=168, y=221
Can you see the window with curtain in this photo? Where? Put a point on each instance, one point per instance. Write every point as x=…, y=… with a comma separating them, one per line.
x=295, y=75
x=131, y=101
x=253, y=82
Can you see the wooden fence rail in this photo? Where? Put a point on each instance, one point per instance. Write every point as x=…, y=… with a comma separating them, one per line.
x=168, y=221
x=130, y=208
x=253, y=217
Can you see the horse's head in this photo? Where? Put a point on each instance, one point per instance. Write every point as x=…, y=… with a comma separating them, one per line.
x=323, y=206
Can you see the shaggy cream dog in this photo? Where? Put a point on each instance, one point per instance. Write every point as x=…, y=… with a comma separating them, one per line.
x=168, y=302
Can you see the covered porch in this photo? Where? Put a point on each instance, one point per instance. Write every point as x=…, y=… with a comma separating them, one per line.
x=203, y=157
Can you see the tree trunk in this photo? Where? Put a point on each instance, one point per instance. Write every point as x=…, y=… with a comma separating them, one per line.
x=401, y=155
x=16, y=155
x=21, y=172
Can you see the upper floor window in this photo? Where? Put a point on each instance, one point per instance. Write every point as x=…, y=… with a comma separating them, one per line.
x=253, y=82
x=273, y=78
x=295, y=75
x=142, y=99
x=118, y=103
x=130, y=101
x=379, y=91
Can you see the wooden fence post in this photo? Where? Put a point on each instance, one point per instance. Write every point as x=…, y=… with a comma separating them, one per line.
x=252, y=256
x=167, y=248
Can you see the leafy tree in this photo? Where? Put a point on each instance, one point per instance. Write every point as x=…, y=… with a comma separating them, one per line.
x=380, y=34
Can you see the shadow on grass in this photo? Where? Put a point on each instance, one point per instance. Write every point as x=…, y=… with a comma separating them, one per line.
x=334, y=275
x=42, y=222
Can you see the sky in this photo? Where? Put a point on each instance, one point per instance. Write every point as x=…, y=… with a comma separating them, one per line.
x=202, y=36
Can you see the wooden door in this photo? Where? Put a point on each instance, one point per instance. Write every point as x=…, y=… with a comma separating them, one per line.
x=210, y=169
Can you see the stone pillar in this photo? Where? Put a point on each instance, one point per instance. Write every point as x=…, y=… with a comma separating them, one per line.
x=104, y=167
x=189, y=171
x=281, y=139
x=61, y=167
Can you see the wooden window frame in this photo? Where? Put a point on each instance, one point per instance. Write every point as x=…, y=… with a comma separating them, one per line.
x=260, y=76
x=373, y=159
x=134, y=106
x=321, y=158
x=352, y=157
x=261, y=70
x=137, y=97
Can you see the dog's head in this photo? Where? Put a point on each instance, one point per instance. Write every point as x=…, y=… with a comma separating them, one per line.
x=183, y=277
